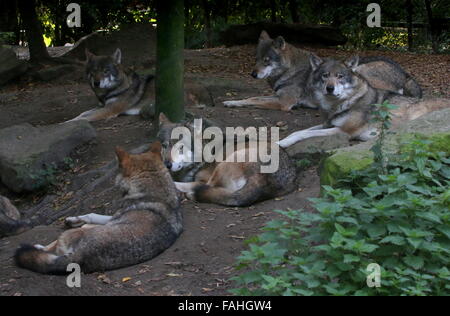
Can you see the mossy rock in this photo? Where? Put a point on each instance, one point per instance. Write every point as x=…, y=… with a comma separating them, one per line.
x=28, y=153
x=340, y=165
x=433, y=127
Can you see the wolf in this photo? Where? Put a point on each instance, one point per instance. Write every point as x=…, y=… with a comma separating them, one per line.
x=224, y=183
x=287, y=70
x=149, y=222
x=10, y=219
x=121, y=91
x=346, y=101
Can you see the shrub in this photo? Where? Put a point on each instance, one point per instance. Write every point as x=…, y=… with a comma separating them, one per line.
x=399, y=220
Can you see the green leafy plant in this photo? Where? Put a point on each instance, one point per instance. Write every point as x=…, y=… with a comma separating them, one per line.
x=45, y=177
x=304, y=164
x=399, y=220
x=6, y=37
x=69, y=163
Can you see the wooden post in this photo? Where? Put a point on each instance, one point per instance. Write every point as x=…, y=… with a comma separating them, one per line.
x=170, y=60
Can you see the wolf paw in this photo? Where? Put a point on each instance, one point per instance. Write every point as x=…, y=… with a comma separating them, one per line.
x=232, y=104
x=190, y=196
x=74, y=222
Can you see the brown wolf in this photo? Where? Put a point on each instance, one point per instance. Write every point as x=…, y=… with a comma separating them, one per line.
x=287, y=70
x=346, y=100
x=225, y=183
x=149, y=223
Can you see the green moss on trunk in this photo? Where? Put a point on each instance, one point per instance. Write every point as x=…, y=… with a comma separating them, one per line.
x=170, y=64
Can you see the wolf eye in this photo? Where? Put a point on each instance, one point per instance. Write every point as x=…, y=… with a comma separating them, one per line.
x=340, y=76
x=325, y=75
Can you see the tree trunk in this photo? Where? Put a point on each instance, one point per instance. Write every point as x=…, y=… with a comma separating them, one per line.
x=433, y=33
x=273, y=11
x=409, y=6
x=170, y=60
x=187, y=15
x=208, y=26
x=293, y=7
x=33, y=29
x=226, y=10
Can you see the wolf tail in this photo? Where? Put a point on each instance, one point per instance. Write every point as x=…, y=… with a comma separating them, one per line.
x=413, y=89
x=247, y=196
x=11, y=228
x=36, y=260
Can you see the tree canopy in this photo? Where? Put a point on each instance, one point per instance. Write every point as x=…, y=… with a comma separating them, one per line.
x=428, y=20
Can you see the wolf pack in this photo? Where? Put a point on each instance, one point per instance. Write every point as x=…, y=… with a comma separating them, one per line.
x=155, y=181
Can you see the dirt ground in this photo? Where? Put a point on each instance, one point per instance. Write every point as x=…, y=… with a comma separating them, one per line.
x=201, y=262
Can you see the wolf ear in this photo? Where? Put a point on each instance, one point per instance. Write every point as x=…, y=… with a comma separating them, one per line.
x=89, y=55
x=156, y=148
x=280, y=43
x=122, y=155
x=264, y=36
x=163, y=119
x=315, y=61
x=352, y=62
x=117, y=56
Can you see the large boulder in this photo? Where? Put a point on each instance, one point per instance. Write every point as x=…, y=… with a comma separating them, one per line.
x=28, y=154
x=315, y=148
x=55, y=72
x=433, y=126
x=10, y=66
x=137, y=41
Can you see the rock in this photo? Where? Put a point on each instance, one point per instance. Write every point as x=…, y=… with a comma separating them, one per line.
x=28, y=154
x=51, y=73
x=342, y=163
x=137, y=41
x=315, y=148
x=433, y=126
x=10, y=66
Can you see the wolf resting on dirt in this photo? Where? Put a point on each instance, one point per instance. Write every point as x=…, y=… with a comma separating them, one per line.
x=287, y=70
x=346, y=101
x=123, y=92
x=149, y=223
x=224, y=183
x=119, y=92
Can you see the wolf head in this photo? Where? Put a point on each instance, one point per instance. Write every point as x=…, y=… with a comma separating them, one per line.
x=104, y=72
x=334, y=79
x=270, y=56
x=138, y=172
x=177, y=154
